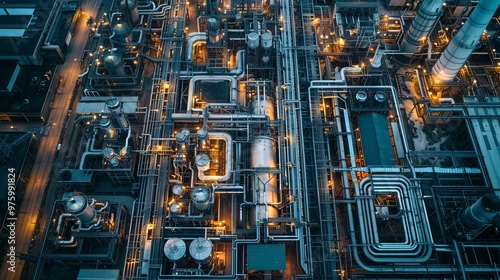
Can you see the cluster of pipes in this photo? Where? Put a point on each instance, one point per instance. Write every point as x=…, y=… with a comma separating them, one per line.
x=109, y=127
x=82, y=214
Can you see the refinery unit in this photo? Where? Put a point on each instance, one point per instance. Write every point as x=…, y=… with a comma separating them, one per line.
x=285, y=140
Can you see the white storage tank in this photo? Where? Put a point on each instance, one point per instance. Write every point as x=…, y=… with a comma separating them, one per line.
x=200, y=196
x=200, y=250
x=178, y=190
x=79, y=207
x=265, y=185
x=263, y=105
x=202, y=162
x=175, y=209
x=266, y=40
x=174, y=249
x=182, y=136
x=253, y=40
x=110, y=156
x=114, y=64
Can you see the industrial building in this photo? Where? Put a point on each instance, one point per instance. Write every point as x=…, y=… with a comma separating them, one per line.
x=283, y=140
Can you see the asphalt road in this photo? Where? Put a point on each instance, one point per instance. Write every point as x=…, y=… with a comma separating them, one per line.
x=39, y=177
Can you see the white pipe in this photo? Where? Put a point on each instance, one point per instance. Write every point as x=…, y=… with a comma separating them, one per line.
x=156, y=11
x=192, y=38
x=229, y=158
x=84, y=155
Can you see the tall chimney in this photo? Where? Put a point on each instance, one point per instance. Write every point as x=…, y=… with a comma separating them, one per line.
x=426, y=17
x=463, y=43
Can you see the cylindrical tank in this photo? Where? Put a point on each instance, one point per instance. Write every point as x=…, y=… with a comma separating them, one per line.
x=377, y=57
x=380, y=96
x=110, y=156
x=129, y=7
x=200, y=195
x=78, y=206
x=266, y=40
x=114, y=64
x=115, y=107
x=427, y=15
x=264, y=105
x=361, y=96
x=202, y=162
x=107, y=127
x=178, y=190
x=182, y=136
x=265, y=185
x=121, y=31
x=464, y=42
x=253, y=40
x=213, y=26
x=200, y=250
x=175, y=209
x=174, y=249
x=481, y=212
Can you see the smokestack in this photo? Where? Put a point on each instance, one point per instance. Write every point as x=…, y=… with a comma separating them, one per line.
x=426, y=17
x=464, y=41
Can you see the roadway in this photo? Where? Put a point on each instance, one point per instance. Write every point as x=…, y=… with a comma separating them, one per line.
x=43, y=167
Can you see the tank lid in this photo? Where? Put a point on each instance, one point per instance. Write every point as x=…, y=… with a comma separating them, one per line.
x=202, y=160
x=380, y=96
x=175, y=208
x=200, y=194
x=177, y=189
x=75, y=204
x=174, y=249
x=361, y=96
x=200, y=249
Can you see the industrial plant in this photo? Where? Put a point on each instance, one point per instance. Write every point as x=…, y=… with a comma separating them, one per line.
x=274, y=139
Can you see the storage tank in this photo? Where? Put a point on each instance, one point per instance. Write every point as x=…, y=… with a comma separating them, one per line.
x=107, y=127
x=380, y=96
x=253, y=40
x=129, y=8
x=266, y=40
x=182, y=136
x=213, y=27
x=114, y=64
x=202, y=162
x=265, y=185
x=200, y=250
x=482, y=212
x=115, y=107
x=79, y=207
x=264, y=105
x=110, y=156
x=175, y=209
x=361, y=96
x=174, y=249
x=202, y=133
x=121, y=31
x=178, y=190
x=200, y=196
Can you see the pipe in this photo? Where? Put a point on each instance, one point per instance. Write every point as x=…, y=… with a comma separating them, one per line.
x=156, y=11
x=229, y=158
x=464, y=42
x=233, y=89
x=84, y=155
x=192, y=38
x=377, y=58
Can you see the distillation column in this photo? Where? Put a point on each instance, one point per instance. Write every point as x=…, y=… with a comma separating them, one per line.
x=427, y=14
x=464, y=41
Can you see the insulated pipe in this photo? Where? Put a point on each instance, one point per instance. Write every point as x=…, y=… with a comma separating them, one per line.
x=193, y=38
x=377, y=58
x=84, y=155
x=464, y=42
x=422, y=24
x=229, y=158
x=233, y=89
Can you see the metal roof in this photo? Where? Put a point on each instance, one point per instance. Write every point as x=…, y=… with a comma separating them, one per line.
x=375, y=139
x=97, y=105
x=98, y=274
x=485, y=120
x=266, y=257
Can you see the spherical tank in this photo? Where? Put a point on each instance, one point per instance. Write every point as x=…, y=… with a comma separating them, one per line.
x=200, y=196
x=263, y=105
x=178, y=190
x=200, y=250
x=78, y=206
x=266, y=40
x=481, y=212
x=174, y=249
x=202, y=162
x=253, y=40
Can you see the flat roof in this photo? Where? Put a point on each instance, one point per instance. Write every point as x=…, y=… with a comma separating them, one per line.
x=98, y=274
x=486, y=127
x=375, y=139
x=266, y=257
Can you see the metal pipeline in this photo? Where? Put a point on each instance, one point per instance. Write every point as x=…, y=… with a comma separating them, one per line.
x=193, y=38
x=155, y=11
x=233, y=89
x=229, y=158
